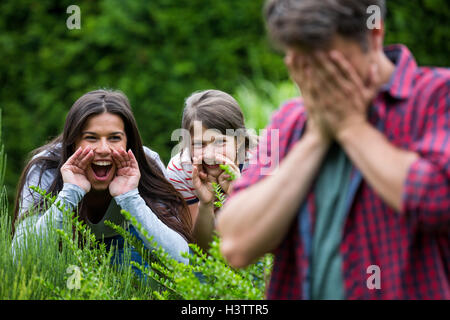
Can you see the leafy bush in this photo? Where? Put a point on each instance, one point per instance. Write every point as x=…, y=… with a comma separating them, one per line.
x=260, y=98
x=423, y=26
x=156, y=52
x=206, y=277
x=38, y=270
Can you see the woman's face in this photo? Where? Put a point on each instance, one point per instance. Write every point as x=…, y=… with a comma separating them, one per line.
x=102, y=133
x=210, y=143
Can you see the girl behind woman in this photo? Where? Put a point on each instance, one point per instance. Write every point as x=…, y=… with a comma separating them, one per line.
x=215, y=134
x=96, y=167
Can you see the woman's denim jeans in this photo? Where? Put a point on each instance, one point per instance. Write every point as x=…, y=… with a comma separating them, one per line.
x=117, y=243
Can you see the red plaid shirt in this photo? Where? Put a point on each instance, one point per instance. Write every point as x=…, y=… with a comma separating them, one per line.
x=412, y=250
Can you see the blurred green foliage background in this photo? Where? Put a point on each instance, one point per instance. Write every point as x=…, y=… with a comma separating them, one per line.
x=158, y=52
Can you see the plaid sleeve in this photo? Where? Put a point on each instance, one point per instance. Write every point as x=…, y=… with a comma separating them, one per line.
x=427, y=187
x=276, y=138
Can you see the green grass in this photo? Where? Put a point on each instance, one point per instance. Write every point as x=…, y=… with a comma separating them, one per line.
x=44, y=269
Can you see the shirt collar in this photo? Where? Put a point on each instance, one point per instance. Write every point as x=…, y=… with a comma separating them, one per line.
x=400, y=85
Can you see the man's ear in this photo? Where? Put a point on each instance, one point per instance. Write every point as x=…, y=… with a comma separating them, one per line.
x=376, y=38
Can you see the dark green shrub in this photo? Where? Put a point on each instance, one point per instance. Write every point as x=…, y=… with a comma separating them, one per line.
x=157, y=53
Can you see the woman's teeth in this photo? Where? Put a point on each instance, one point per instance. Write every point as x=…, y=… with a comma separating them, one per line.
x=101, y=163
x=101, y=169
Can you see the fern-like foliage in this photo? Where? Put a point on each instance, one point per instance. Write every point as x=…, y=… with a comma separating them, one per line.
x=206, y=277
x=230, y=172
x=220, y=196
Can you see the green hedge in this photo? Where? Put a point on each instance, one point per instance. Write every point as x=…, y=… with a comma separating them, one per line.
x=422, y=25
x=157, y=53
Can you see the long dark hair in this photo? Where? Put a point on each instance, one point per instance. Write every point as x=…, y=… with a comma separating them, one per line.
x=159, y=194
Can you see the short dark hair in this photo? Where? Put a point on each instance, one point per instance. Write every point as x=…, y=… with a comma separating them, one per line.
x=312, y=24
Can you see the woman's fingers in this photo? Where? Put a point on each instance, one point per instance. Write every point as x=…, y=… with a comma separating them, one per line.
x=85, y=159
x=116, y=157
x=74, y=156
x=122, y=158
x=125, y=158
x=81, y=158
x=74, y=170
x=133, y=162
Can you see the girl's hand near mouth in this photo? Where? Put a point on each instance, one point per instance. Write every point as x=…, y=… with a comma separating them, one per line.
x=127, y=172
x=74, y=170
x=202, y=182
x=224, y=179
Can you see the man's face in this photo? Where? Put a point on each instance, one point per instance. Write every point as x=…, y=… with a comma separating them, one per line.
x=352, y=51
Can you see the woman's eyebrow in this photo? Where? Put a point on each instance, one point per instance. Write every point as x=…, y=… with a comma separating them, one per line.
x=111, y=134
x=89, y=132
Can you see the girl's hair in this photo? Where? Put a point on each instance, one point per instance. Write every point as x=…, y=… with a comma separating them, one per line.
x=159, y=194
x=217, y=110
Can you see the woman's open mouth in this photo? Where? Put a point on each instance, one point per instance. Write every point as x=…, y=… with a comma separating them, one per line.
x=101, y=170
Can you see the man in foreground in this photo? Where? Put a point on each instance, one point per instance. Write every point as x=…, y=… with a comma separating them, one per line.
x=359, y=207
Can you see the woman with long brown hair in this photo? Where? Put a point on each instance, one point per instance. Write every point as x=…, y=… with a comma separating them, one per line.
x=97, y=167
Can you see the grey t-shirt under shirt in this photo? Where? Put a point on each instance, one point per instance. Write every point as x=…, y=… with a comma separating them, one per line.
x=330, y=191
